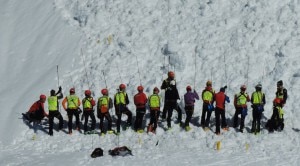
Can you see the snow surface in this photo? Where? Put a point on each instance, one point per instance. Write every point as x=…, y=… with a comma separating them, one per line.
x=136, y=42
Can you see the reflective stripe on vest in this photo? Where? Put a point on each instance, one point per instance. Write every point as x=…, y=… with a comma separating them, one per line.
x=257, y=97
x=52, y=103
x=120, y=98
x=72, y=101
x=241, y=99
x=87, y=103
x=207, y=96
x=154, y=101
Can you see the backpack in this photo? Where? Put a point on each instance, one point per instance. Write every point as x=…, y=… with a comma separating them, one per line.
x=120, y=151
x=98, y=152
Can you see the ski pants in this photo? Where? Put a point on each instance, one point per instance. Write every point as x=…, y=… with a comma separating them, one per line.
x=256, y=114
x=205, y=113
x=170, y=106
x=87, y=114
x=138, y=124
x=238, y=111
x=71, y=113
x=52, y=115
x=189, y=110
x=154, y=114
x=109, y=121
x=119, y=112
x=220, y=113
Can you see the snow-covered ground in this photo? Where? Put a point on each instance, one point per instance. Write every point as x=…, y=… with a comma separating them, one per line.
x=105, y=43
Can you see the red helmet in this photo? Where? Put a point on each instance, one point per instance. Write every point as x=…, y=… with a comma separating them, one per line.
x=104, y=91
x=122, y=86
x=87, y=92
x=188, y=88
x=243, y=87
x=156, y=90
x=171, y=74
x=140, y=88
x=72, y=90
x=42, y=96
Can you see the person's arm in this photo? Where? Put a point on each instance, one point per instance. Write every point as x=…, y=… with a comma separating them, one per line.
x=79, y=102
x=126, y=99
x=285, y=96
x=196, y=95
x=64, y=103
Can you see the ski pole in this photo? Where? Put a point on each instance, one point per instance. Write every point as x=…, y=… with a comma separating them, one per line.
x=195, y=67
x=138, y=69
x=104, y=79
x=84, y=65
x=57, y=76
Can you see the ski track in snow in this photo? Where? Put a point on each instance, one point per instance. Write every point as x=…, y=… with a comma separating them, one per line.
x=258, y=42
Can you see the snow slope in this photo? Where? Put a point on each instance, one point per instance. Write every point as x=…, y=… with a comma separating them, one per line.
x=137, y=42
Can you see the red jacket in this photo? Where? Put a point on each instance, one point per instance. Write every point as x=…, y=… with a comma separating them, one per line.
x=140, y=100
x=38, y=106
x=220, y=100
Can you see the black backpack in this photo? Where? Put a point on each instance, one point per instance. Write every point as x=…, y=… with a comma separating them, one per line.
x=98, y=152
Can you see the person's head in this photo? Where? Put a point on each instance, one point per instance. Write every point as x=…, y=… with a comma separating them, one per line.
x=104, y=92
x=209, y=83
x=52, y=92
x=243, y=88
x=140, y=88
x=188, y=88
x=72, y=91
x=280, y=84
x=155, y=90
x=122, y=87
x=258, y=87
x=171, y=75
x=222, y=89
x=43, y=98
x=87, y=93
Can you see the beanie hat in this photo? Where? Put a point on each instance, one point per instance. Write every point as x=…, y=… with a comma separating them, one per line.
x=280, y=83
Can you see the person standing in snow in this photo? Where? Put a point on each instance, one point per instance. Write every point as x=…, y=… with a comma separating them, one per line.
x=36, y=112
x=281, y=92
x=240, y=104
x=207, y=108
x=88, y=104
x=189, y=100
x=171, y=97
x=73, y=103
x=276, y=122
x=53, y=107
x=120, y=102
x=221, y=98
x=154, y=104
x=140, y=101
x=103, y=106
x=258, y=101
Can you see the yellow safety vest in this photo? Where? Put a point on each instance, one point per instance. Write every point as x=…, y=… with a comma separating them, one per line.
x=257, y=97
x=280, y=94
x=72, y=101
x=87, y=103
x=241, y=98
x=52, y=103
x=103, y=104
x=120, y=98
x=154, y=101
x=208, y=95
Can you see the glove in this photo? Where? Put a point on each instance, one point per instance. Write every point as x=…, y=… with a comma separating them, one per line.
x=59, y=88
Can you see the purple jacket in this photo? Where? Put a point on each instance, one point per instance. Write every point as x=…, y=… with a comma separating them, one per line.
x=189, y=98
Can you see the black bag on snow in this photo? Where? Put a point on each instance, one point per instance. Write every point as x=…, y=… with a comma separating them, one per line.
x=98, y=152
x=120, y=151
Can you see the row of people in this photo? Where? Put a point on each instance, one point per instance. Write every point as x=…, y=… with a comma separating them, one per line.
x=72, y=105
